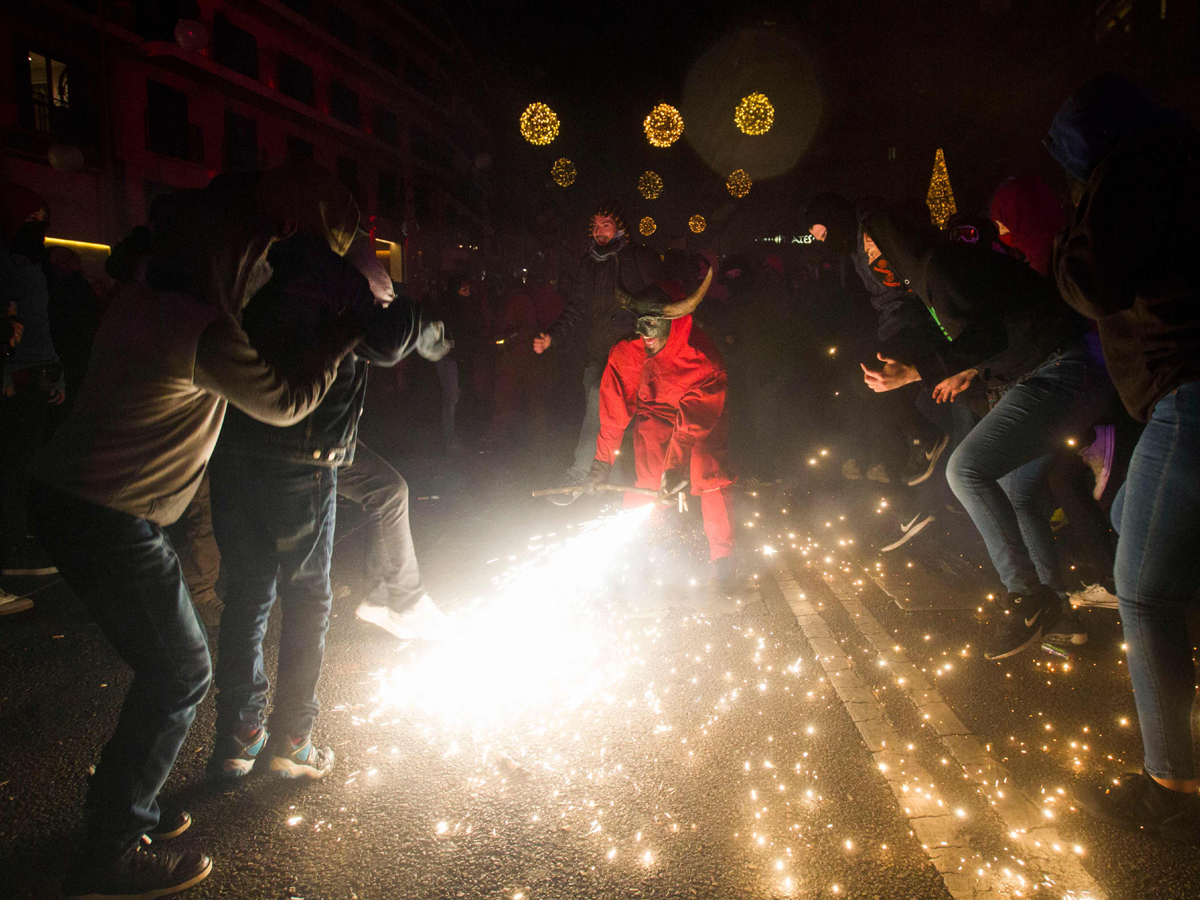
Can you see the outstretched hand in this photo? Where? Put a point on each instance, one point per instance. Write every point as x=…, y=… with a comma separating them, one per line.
x=947, y=390
x=893, y=375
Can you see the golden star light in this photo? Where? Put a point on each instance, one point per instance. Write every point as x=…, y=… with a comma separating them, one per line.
x=647, y=226
x=664, y=125
x=739, y=183
x=697, y=223
x=539, y=124
x=563, y=172
x=650, y=185
x=754, y=115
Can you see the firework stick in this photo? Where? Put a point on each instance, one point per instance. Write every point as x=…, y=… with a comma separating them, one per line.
x=648, y=492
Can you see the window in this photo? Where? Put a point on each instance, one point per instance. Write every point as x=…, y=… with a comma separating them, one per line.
x=347, y=173
x=386, y=127
x=421, y=144
x=342, y=27
x=49, y=89
x=389, y=194
x=421, y=205
x=343, y=103
x=241, y=143
x=167, y=128
x=296, y=79
x=383, y=54
x=298, y=148
x=418, y=79
x=233, y=48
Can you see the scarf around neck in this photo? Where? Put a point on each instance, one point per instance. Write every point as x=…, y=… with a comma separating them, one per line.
x=609, y=250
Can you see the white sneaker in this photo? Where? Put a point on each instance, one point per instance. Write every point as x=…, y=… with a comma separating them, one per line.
x=422, y=621
x=11, y=603
x=909, y=531
x=1093, y=595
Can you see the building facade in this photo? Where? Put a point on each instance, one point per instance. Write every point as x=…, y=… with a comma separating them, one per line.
x=106, y=104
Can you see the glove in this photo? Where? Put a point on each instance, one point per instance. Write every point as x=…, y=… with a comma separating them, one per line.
x=597, y=475
x=673, y=481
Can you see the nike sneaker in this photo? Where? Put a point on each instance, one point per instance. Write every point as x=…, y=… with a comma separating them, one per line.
x=1022, y=620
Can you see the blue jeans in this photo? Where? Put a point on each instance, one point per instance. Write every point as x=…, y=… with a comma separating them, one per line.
x=1157, y=514
x=273, y=522
x=999, y=471
x=126, y=571
x=589, y=430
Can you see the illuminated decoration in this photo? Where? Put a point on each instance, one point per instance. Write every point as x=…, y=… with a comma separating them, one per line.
x=754, y=115
x=563, y=172
x=539, y=124
x=647, y=226
x=697, y=223
x=739, y=183
x=940, y=198
x=77, y=245
x=650, y=185
x=664, y=125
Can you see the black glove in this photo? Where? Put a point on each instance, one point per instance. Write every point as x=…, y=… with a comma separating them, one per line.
x=673, y=481
x=597, y=475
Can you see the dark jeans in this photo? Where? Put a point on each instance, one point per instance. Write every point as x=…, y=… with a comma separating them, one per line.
x=999, y=472
x=273, y=522
x=393, y=576
x=1157, y=514
x=193, y=538
x=589, y=429
x=126, y=572
x=26, y=423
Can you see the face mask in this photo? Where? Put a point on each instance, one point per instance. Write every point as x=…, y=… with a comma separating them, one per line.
x=30, y=240
x=655, y=331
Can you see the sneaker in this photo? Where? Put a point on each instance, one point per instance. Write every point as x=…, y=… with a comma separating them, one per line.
x=1099, y=456
x=573, y=478
x=11, y=603
x=1094, y=595
x=301, y=759
x=1023, y=619
x=925, y=460
x=1058, y=519
x=422, y=621
x=878, y=473
x=234, y=758
x=1137, y=802
x=1068, y=629
x=172, y=822
x=141, y=872
x=909, y=531
x=27, y=558
x=850, y=470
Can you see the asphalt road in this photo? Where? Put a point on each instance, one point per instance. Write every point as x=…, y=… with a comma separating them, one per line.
x=562, y=749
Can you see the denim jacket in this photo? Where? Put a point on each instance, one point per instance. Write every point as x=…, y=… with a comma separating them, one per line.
x=286, y=318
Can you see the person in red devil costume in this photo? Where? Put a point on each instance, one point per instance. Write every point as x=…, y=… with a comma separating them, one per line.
x=670, y=381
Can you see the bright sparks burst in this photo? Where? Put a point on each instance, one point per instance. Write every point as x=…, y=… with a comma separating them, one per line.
x=697, y=224
x=563, y=172
x=650, y=185
x=536, y=646
x=539, y=124
x=754, y=115
x=647, y=226
x=739, y=183
x=664, y=125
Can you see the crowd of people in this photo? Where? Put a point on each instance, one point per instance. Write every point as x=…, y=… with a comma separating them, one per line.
x=215, y=406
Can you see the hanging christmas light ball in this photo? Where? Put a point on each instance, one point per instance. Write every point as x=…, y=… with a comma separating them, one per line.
x=697, y=224
x=755, y=114
x=563, y=172
x=739, y=183
x=650, y=185
x=664, y=125
x=539, y=124
x=647, y=226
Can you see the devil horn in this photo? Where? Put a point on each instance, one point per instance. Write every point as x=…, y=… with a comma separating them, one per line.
x=687, y=305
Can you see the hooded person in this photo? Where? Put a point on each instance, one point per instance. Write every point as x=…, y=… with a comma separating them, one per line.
x=1005, y=324
x=593, y=314
x=1028, y=216
x=169, y=357
x=1126, y=260
x=33, y=384
x=274, y=500
x=670, y=382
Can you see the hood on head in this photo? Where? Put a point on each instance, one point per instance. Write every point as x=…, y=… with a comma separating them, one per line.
x=1033, y=215
x=362, y=256
x=905, y=244
x=1096, y=117
x=17, y=204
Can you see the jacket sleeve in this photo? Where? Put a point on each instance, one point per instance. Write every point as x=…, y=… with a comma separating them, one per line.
x=699, y=411
x=618, y=401
x=578, y=305
x=228, y=366
x=1118, y=228
x=396, y=330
